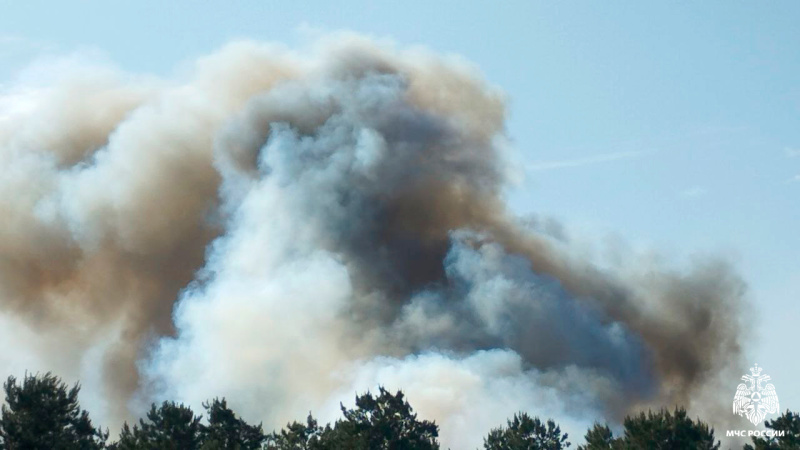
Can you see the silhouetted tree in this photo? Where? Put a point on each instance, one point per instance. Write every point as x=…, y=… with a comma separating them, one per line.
x=600, y=437
x=169, y=427
x=383, y=422
x=299, y=436
x=526, y=433
x=788, y=422
x=660, y=430
x=43, y=413
x=226, y=431
x=663, y=430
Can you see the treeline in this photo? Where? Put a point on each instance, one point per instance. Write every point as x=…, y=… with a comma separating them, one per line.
x=41, y=412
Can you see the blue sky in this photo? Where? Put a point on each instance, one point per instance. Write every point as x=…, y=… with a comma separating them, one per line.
x=673, y=127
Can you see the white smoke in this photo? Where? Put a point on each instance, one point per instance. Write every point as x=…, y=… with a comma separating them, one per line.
x=286, y=229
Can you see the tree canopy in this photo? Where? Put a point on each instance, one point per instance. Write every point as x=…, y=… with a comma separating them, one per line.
x=654, y=430
x=526, y=433
x=43, y=413
x=789, y=423
x=226, y=431
x=170, y=426
x=382, y=422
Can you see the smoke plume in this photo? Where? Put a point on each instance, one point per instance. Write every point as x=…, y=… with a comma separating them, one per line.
x=286, y=229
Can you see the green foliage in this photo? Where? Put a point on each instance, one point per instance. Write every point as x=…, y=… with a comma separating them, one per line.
x=175, y=427
x=599, y=437
x=526, y=433
x=226, y=431
x=299, y=436
x=385, y=422
x=788, y=422
x=659, y=430
x=43, y=413
x=663, y=430
x=168, y=427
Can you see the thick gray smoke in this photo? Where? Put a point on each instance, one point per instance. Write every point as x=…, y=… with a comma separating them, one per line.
x=286, y=229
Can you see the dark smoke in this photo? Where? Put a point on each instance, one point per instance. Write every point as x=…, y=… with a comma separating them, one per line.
x=326, y=222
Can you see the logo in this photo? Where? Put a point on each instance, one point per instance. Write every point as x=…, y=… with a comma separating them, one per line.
x=752, y=399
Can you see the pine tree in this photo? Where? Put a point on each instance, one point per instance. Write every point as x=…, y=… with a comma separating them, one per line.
x=171, y=426
x=600, y=437
x=664, y=430
x=43, y=413
x=226, y=431
x=789, y=423
x=300, y=436
x=654, y=430
x=383, y=422
x=526, y=433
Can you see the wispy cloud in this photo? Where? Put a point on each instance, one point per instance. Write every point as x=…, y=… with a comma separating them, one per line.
x=792, y=152
x=585, y=161
x=694, y=191
x=13, y=44
x=16, y=52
